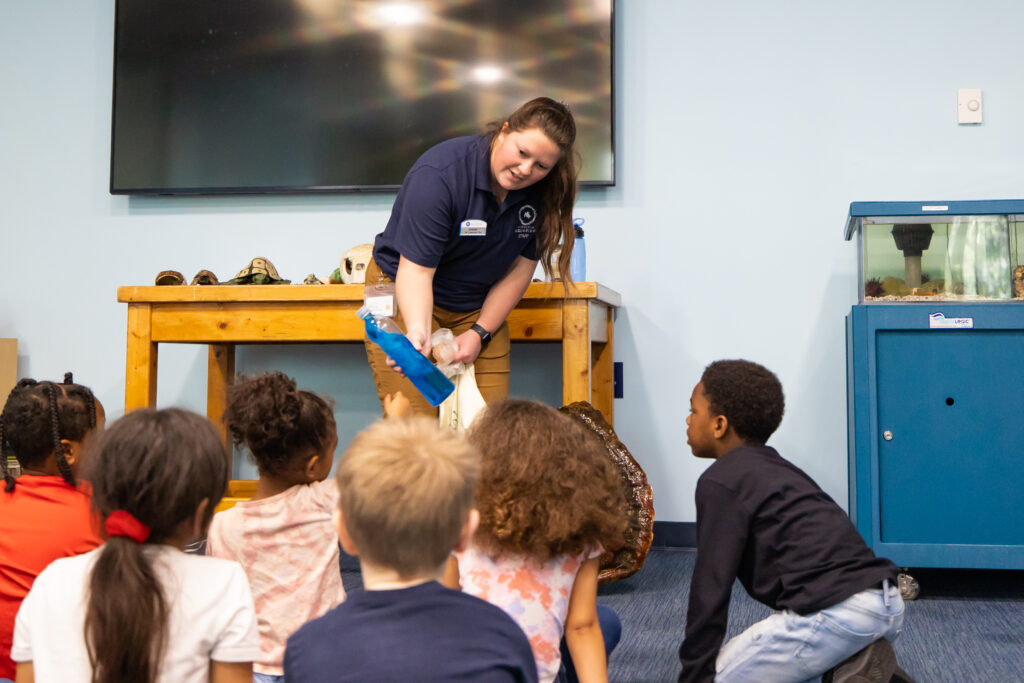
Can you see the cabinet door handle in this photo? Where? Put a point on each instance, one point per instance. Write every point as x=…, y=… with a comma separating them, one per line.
x=887, y=435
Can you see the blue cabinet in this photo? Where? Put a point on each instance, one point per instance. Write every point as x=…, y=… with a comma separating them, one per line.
x=935, y=381
x=936, y=432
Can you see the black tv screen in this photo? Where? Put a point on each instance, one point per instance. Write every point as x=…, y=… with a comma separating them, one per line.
x=273, y=96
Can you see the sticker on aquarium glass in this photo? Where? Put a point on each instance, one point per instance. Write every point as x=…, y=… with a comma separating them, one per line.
x=938, y=321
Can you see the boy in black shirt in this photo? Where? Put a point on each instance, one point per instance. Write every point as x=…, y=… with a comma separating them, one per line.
x=405, y=490
x=764, y=521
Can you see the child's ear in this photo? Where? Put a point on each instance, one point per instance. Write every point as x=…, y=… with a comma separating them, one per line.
x=72, y=451
x=346, y=541
x=720, y=426
x=199, y=521
x=310, y=469
x=468, y=529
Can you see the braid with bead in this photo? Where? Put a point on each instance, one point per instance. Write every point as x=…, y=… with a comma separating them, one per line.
x=58, y=448
x=9, y=480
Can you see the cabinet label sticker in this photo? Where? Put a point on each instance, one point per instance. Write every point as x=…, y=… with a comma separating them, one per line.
x=938, y=321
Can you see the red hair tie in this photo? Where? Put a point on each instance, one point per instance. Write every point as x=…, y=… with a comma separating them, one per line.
x=121, y=523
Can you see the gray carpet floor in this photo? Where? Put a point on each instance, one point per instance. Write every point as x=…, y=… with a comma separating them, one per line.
x=966, y=626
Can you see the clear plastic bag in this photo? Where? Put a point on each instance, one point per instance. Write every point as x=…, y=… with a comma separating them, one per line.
x=465, y=403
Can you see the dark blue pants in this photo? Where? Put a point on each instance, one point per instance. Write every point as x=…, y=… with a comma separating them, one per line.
x=611, y=632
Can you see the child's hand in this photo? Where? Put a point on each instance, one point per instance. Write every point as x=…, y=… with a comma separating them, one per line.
x=397, y=405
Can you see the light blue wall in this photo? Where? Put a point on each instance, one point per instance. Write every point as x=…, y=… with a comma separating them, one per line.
x=744, y=129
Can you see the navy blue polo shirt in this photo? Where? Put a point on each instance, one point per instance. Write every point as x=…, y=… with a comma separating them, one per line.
x=447, y=217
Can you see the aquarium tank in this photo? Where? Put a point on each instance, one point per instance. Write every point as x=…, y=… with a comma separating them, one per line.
x=950, y=251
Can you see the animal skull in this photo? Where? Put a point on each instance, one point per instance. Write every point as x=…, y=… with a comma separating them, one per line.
x=354, y=262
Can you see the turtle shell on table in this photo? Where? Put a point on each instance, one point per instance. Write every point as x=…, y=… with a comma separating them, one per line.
x=639, y=496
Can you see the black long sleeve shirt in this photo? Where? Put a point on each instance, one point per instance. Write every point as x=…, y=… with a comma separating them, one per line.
x=762, y=520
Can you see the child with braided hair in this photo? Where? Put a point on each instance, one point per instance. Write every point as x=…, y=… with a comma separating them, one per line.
x=46, y=426
x=138, y=608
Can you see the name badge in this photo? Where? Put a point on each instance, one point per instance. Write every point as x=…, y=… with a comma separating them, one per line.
x=473, y=227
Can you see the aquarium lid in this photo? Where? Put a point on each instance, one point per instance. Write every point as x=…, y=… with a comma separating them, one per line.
x=860, y=210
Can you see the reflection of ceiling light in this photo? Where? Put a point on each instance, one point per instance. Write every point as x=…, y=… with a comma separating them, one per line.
x=399, y=14
x=488, y=74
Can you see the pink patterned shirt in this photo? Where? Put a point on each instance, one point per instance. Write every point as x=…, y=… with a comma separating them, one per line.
x=288, y=547
x=535, y=595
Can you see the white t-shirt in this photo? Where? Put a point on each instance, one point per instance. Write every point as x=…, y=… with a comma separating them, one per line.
x=211, y=616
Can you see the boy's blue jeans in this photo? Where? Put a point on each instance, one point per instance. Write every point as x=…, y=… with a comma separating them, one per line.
x=789, y=647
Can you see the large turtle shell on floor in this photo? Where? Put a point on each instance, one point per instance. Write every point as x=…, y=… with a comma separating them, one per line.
x=639, y=497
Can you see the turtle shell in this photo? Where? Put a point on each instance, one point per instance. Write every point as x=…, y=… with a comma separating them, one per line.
x=639, y=497
x=259, y=266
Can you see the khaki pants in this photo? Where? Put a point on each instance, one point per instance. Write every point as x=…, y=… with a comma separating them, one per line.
x=491, y=366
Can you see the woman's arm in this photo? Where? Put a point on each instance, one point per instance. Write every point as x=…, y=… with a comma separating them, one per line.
x=501, y=299
x=414, y=294
x=582, y=630
x=229, y=672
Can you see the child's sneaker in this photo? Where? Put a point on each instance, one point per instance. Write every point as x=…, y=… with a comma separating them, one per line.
x=874, y=664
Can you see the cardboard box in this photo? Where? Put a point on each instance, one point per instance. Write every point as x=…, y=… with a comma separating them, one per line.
x=8, y=366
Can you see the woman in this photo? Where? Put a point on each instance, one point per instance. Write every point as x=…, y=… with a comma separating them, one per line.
x=473, y=217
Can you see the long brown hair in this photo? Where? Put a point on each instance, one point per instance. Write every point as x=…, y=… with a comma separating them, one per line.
x=157, y=465
x=558, y=188
x=547, y=487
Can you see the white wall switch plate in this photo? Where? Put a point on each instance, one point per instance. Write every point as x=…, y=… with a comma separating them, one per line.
x=968, y=105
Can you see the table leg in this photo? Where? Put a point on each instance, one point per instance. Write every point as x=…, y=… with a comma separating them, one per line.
x=220, y=374
x=141, y=360
x=575, y=352
x=602, y=381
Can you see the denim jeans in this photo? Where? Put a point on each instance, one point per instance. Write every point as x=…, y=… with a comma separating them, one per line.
x=789, y=647
x=611, y=632
x=266, y=678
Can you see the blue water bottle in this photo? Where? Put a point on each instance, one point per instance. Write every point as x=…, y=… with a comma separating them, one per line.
x=424, y=375
x=578, y=260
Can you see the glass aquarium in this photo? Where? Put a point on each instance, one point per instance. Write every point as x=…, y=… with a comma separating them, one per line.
x=951, y=251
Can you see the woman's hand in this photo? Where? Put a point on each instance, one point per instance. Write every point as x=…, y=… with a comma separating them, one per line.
x=469, y=347
x=420, y=341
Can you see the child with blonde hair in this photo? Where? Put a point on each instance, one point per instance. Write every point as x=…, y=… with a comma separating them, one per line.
x=550, y=502
x=406, y=501
x=283, y=537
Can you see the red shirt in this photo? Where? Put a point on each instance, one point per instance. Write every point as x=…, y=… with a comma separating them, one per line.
x=41, y=520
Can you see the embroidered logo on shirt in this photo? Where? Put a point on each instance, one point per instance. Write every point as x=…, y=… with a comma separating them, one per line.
x=527, y=214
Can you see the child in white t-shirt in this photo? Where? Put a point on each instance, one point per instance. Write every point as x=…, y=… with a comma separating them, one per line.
x=138, y=608
x=284, y=536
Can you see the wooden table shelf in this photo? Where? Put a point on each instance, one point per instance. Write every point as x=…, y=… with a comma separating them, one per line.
x=223, y=316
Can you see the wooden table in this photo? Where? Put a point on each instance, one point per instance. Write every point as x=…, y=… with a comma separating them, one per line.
x=223, y=316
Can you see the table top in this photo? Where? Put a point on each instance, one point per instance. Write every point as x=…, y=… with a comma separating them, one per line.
x=310, y=293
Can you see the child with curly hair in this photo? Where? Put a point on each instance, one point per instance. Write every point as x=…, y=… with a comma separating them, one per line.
x=283, y=537
x=550, y=503
x=46, y=426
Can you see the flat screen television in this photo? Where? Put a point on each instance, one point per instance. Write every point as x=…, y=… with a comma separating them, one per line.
x=283, y=96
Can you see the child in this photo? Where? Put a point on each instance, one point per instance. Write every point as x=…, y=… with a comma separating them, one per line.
x=762, y=520
x=406, y=493
x=138, y=608
x=283, y=537
x=549, y=502
x=46, y=512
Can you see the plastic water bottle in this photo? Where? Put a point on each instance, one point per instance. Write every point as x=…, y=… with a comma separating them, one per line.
x=578, y=261
x=386, y=334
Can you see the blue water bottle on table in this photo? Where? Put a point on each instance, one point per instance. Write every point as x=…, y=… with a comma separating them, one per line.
x=578, y=260
x=424, y=375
